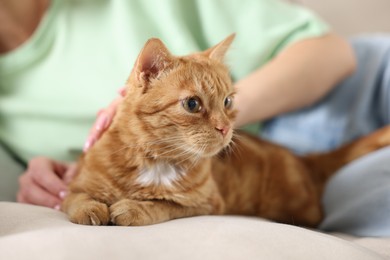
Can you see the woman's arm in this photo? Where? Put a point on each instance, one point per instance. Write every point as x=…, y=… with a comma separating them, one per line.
x=18, y=21
x=297, y=77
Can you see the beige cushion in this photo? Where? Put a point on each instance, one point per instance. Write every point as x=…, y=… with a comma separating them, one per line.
x=30, y=232
x=351, y=17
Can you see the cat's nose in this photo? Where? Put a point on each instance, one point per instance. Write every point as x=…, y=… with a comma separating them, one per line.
x=223, y=130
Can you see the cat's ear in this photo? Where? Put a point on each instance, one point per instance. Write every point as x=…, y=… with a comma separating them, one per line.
x=218, y=51
x=152, y=60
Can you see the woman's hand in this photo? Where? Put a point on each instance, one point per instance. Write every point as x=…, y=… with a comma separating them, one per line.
x=103, y=120
x=45, y=182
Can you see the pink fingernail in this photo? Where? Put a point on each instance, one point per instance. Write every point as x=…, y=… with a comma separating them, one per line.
x=62, y=194
x=87, y=145
x=122, y=91
x=57, y=207
x=101, y=122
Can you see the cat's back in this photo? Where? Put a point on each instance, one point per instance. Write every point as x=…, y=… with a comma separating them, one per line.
x=253, y=173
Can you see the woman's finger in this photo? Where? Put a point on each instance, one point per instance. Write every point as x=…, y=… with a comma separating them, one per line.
x=34, y=194
x=42, y=172
x=103, y=121
x=122, y=91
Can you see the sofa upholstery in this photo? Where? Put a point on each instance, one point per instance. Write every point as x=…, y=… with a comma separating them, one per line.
x=31, y=232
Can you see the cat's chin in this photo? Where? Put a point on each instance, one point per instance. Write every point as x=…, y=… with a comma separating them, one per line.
x=212, y=151
x=211, y=154
x=218, y=148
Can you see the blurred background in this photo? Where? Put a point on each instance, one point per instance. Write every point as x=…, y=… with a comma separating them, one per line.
x=352, y=17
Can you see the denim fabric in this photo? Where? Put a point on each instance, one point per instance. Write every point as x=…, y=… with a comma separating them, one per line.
x=357, y=199
x=356, y=107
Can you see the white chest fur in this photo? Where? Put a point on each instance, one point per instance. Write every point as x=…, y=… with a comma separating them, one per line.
x=160, y=174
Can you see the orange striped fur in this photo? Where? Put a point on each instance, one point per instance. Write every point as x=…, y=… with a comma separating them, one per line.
x=171, y=153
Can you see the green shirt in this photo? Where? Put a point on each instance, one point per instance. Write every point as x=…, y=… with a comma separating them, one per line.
x=52, y=86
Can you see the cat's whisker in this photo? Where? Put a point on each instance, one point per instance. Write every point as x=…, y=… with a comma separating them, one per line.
x=184, y=152
x=138, y=147
x=176, y=148
x=162, y=151
x=168, y=139
x=187, y=151
x=235, y=147
x=232, y=145
x=199, y=157
x=120, y=149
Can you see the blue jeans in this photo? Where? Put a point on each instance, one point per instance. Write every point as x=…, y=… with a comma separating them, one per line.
x=357, y=199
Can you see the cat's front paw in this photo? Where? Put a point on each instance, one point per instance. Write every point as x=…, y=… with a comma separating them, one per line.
x=131, y=213
x=91, y=213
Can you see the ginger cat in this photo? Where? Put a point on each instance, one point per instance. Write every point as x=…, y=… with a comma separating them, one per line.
x=171, y=153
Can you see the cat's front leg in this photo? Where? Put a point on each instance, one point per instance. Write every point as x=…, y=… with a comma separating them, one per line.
x=128, y=212
x=82, y=209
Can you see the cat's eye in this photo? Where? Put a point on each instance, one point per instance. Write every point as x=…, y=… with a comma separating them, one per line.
x=228, y=103
x=192, y=104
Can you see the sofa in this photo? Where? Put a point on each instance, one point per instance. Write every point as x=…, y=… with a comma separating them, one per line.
x=32, y=232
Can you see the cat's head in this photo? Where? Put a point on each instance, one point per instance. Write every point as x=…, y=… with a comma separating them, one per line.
x=181, y=106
